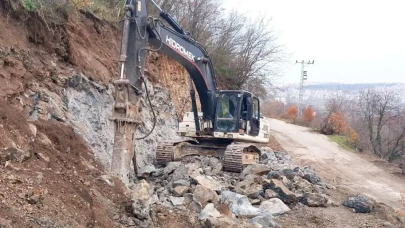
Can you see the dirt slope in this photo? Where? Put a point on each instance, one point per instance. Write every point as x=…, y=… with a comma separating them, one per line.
x=340, y=167
x=49, y=178
x=48, y=175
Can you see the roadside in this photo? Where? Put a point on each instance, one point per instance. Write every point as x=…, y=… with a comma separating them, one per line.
x=342, y=168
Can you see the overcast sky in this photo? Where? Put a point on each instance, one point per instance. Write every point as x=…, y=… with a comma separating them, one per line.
x=351, y=41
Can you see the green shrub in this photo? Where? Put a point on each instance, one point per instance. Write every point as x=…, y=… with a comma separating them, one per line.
x=29, y=5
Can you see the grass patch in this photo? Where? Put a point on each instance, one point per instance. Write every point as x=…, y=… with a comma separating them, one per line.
x=29, y=5
x=343, y=141
x=106, y=9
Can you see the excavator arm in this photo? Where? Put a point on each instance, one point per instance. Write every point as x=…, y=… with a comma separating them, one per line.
x=139, y=30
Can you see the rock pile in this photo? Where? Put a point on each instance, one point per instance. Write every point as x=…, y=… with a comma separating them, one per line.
x=260, y=193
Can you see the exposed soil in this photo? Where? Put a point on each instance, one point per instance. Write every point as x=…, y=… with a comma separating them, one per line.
x=58, y=183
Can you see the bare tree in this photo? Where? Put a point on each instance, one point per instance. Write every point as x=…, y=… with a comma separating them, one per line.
x=244, y=51
x=384, y=121
x=199, y=17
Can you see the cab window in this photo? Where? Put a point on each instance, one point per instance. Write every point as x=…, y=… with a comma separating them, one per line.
x=255, y=113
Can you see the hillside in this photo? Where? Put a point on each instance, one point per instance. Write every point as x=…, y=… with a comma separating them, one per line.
x=55, y=101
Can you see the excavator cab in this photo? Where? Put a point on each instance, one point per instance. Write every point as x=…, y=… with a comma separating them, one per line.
x=237, y=112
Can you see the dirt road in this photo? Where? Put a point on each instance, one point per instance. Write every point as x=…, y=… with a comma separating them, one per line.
x=340, y=167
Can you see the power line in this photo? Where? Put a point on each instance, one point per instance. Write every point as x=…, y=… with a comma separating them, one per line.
x=303, y=78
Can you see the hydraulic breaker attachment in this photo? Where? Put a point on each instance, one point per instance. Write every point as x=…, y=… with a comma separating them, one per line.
x=128, y=89
x=125, y=123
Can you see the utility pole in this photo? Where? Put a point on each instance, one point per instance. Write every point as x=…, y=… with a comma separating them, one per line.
x=303, y=77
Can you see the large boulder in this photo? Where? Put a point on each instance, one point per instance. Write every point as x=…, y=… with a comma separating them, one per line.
x=274, y=206
x=194, y=169
x=267, y=154
x=239, y=204
x=249, y=186
x=192, y=202
x=317, y=200
x=209, y=211
x=283, y=192
x=216, y=166
x=171, y=166
x=256, y=169
x=360, y=203
x=208, y=182
x=301, y=185
x=313, y=178
x=180, y=173
x=142, y=199
x=205, y=195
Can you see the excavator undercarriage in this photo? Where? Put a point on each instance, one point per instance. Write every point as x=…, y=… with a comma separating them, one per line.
x=235, y=155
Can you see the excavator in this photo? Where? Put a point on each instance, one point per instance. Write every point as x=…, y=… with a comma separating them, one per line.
x=229, y=122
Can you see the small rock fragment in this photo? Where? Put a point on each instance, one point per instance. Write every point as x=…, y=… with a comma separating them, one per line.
x=225, y=210
x=265, y=220
x=43, y=157
x=146, y=171
x=312, y=177
x=180, y=190
x=275, y=175
x=181, y=183
x=131, y=221
x=268, y=194
x=177, y=201
x=33, y=129
x=15, y=154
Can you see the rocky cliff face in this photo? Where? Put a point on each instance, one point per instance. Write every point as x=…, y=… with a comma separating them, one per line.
x=55, y=134
x=74, y=86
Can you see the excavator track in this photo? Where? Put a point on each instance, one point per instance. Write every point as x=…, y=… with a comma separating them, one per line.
x=164, y=152
x=237, y=156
